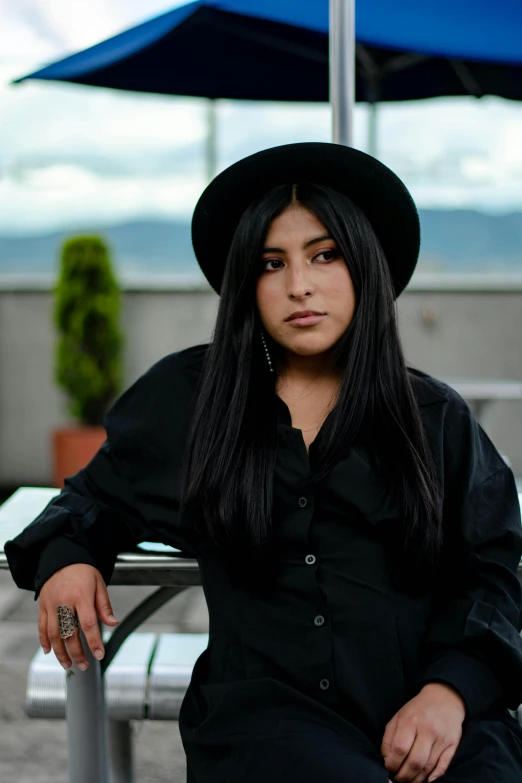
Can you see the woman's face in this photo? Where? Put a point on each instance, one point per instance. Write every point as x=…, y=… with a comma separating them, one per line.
x=302, y=271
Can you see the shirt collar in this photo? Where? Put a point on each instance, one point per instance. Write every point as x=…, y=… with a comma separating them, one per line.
x=283, y=412
x=427, y=391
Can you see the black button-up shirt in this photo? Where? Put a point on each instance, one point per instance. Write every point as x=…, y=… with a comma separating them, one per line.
x=334, y=637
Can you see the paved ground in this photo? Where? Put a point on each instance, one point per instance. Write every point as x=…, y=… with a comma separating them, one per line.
x=35, y=751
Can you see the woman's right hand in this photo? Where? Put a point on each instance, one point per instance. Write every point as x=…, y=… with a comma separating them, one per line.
x=82, y=588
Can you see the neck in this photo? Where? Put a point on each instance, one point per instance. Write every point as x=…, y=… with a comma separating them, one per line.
x=306, y=369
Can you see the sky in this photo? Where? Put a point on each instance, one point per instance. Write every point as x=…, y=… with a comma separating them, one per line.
x=72, y=155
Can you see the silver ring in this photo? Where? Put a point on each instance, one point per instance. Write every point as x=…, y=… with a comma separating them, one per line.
x=67, y=621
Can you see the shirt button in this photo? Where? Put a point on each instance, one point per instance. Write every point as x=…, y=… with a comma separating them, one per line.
x=302, y=502
x=319, y=620
x=324, y=684
x=310, y=559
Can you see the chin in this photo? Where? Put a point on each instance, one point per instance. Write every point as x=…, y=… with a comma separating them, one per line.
x=310, y=347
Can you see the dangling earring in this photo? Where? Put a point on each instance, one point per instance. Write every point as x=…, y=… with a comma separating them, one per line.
x=266, y=351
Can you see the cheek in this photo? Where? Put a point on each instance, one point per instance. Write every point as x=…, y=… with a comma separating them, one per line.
x=340, y=291
x=268, y=299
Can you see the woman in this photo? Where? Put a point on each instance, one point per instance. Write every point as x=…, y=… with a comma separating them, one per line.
x=358, y=534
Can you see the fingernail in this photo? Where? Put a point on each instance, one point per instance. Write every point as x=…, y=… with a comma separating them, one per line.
x=66, y=665
x=82, y=666
x=113, y=619
x=430, y=780
x=46, y=652
x=98, y=654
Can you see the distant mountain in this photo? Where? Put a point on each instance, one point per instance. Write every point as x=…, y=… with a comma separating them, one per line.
x=141, y=246
x=469, y=241
x=452, y=241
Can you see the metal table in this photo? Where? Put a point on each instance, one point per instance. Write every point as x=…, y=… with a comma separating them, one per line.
x=95, y=748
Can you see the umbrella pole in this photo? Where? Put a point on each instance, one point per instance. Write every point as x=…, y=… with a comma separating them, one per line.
x=342, y=69
x=211, y=140
x=372, y=129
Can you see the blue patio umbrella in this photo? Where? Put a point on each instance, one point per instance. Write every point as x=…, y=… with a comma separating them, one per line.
x=280, y=50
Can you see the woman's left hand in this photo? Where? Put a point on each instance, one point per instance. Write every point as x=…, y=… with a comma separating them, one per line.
x=421, y=739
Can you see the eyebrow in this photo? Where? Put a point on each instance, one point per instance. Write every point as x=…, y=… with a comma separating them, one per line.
x=306, y=244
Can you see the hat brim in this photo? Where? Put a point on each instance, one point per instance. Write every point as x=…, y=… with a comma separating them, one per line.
x=370, y=184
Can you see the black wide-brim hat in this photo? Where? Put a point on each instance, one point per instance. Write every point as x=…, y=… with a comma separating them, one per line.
x=370, y=184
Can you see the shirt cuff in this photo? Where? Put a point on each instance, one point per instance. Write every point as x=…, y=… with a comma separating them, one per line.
x=470, y=677
x=59, y=552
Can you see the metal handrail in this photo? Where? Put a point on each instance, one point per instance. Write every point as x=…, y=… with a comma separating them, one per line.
x=132, y=568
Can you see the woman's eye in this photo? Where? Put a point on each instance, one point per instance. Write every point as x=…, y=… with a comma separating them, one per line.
x=268, y=261
x=330, y=253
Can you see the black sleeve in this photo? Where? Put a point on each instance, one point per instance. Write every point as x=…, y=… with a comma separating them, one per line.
x=129, y=492
x=473, y=642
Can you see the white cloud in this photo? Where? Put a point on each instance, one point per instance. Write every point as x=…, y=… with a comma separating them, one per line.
x=44, y=116
x=40, y=31
x=63, y=197
x=78, y=24
x=476, y=168
x=59, y=179
x=508, y=152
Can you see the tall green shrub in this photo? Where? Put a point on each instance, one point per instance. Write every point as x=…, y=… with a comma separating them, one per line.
x=86, y=314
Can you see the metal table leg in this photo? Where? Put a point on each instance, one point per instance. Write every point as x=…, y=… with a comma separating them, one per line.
x=121, y=760
x=87, y=727
x=86, y=722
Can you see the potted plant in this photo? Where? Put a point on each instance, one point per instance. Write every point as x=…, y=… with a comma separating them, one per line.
x=88, y=353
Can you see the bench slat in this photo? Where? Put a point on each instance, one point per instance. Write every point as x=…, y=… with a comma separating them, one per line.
x=171, y=671
x=125, y=681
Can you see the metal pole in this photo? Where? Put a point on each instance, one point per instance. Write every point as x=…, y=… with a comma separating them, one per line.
x=211, y=140
x=121, y=752
x=86, y=722
x=342, y=69
x=373, y=87
x=372, y=128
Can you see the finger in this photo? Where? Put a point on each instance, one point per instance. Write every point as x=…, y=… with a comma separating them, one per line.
x=435, y=753
x=389, y=733
x=57, y=642
x=76, y=651
x=91, y=630
x=42, y=631
x=415, y=766
x=443, y=763
x=103, y=604
x=401, y=744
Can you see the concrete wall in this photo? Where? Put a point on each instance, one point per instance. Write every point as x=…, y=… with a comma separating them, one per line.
x=464, y=335
x=450, y=332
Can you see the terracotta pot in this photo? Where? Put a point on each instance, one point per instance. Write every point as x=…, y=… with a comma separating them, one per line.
x=73, y=448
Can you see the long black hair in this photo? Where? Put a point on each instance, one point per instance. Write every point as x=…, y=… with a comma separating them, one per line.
x=227, y=482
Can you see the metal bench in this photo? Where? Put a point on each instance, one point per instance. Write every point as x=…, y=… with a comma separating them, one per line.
x=170, y=672
x=147, y=680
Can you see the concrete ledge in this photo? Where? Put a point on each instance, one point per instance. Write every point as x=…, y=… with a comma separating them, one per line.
x=172, y=283
x=161, y=283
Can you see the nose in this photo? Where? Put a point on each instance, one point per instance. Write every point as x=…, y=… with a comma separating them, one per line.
x=299, y=283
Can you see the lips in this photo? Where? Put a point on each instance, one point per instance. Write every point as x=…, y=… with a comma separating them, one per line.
x=303, y=314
